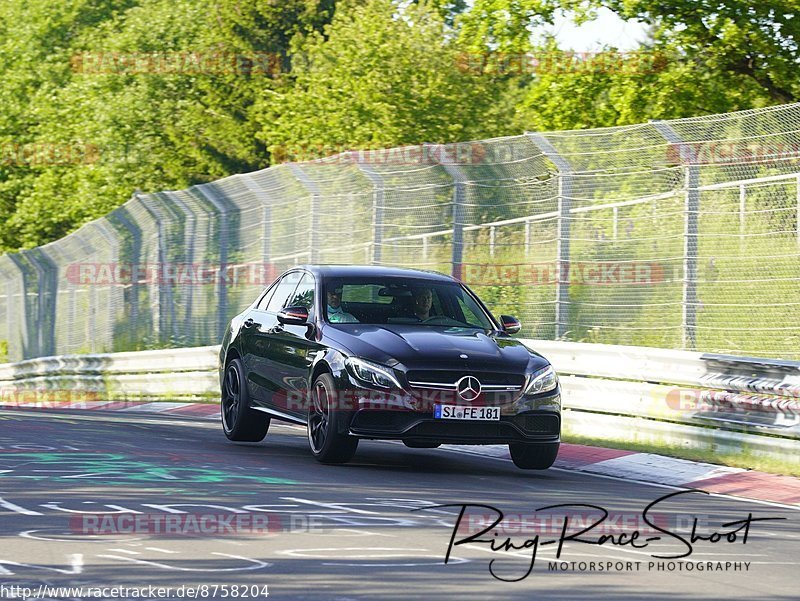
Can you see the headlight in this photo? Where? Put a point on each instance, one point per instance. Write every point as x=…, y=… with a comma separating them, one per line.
x=542, y=381
x=372, y=373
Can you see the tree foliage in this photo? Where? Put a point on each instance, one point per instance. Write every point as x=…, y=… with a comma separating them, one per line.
x=342, y=74
x=374, y=81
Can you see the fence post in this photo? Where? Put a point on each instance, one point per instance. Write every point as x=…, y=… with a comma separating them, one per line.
x=23, y=316
x=159, y=323
x=565, y=180
x=798, y=210
x=210, y=193
x=527, y=238
x=439, y=154
x=377, y=207
x=742, y=206
x=266, y=216
x=313, y=188
x=189, y=237
x=103, y=340
x=690, y=235
x=47, y=290
x=120, y=219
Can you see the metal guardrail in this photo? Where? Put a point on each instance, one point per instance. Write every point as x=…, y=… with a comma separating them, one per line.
x=184, y=373
x=743, y=394
x=609, y=392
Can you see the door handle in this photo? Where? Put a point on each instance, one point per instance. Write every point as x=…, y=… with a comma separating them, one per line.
x=249, y=323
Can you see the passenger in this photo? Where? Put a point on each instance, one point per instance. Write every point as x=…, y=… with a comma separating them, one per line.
x=335, y=312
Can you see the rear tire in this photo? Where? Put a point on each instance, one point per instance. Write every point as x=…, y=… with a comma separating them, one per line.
x=239, y=422
x=536, y=456
x=328, y=444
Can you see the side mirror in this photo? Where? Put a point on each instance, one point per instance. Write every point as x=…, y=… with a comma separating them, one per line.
x=293, y=316
x=511, y=325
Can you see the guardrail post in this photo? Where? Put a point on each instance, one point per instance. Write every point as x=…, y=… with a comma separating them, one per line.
x=313, y=188
x=377, y=207
x=438, y=154
x=565, y=177
x=690, y=244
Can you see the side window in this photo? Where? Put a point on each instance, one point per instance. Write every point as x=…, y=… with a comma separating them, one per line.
x=262, y=304
x=470, y=316
x=283, y=291
x=304, y=293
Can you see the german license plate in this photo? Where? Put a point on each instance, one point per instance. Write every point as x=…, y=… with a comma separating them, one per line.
x=471, y=413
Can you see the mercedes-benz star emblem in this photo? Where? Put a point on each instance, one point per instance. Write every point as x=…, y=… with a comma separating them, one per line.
x=469, y=388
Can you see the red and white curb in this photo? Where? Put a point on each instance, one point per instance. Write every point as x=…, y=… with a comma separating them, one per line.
x=669, y=471
x=615, y=463
x=208, y=410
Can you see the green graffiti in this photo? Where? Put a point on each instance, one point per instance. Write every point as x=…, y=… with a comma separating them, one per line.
x=115, y=469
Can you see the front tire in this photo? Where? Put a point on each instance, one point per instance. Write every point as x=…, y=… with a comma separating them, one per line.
x=529, y=456
x=328, y=444
x=239, y=422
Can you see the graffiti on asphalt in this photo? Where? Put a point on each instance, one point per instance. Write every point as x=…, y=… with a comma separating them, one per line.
x=115, y=469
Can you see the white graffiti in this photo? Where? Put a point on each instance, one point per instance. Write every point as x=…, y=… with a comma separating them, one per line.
x=256, y=564
x=76, y=566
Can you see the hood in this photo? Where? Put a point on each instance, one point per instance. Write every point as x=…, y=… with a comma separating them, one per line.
x=423, y=347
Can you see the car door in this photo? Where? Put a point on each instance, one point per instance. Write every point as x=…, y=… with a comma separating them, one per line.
x=258, y=324
x=292, y=352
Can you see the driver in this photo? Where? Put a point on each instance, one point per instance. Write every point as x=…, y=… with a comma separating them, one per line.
x=335, y=312
x=423, y=299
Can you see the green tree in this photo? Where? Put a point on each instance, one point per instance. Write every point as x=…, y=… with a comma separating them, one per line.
x=379, y=78
x=738, y=40
x=151, y=131
x=703, y=58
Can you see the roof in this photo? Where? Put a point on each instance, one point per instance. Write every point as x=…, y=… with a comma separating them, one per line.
x=327, y=271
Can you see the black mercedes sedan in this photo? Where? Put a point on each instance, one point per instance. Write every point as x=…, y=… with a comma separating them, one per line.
x=385, y=353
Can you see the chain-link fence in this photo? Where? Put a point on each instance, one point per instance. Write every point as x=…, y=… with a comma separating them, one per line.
x=676, y=234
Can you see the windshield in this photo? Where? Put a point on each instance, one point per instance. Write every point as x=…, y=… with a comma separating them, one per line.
x=401, y=301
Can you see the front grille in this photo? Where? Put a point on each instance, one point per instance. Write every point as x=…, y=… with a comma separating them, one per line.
x=428, y=378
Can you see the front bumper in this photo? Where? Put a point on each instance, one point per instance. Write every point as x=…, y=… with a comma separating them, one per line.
x=529, y=427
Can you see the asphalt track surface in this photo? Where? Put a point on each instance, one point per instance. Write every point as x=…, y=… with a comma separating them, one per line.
x=366, y=530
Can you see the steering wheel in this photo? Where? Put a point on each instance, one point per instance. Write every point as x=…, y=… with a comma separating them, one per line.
x=434, y=319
